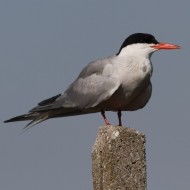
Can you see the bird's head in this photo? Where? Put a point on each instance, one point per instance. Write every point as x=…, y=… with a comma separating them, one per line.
x=142, y=43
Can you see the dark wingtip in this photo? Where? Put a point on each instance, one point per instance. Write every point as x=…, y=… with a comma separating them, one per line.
x=49, y=100
x=20, y=118
x=9, y=120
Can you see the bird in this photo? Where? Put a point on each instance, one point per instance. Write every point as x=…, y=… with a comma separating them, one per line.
x=120, y=82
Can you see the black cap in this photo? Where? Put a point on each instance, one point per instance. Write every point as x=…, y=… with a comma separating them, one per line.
x=138, y=38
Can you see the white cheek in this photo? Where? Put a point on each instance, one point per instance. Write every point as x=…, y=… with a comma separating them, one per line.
x=138, y=49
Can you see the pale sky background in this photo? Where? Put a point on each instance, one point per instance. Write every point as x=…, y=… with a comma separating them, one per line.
x=43, y=46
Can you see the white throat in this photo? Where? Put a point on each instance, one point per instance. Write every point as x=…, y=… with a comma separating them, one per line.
x=137, y=50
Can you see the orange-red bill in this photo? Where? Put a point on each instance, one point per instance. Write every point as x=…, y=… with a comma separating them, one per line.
x=167, y=46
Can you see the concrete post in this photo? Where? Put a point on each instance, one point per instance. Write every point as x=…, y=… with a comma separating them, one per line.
x=118, y=159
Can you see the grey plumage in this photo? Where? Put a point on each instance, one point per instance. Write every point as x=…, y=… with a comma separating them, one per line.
x=118, y=83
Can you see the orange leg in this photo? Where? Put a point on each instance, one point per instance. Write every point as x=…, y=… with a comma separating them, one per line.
x=105, y=119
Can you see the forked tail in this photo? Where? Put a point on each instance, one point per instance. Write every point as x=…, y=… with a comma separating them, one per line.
x=35, y=117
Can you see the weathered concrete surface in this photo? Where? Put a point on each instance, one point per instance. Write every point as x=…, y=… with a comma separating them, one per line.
x=118, y=159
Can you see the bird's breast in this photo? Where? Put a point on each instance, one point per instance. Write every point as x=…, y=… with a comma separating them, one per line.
x=134, y=73
x=134, y=78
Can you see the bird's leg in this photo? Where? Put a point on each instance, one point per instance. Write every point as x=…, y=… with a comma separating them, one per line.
x=105, y=119
x=119, y=117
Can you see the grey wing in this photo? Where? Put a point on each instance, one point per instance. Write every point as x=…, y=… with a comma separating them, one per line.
x=94, y=85
x=90, y=91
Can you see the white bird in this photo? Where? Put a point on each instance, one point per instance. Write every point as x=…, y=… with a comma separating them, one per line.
x=117, y=83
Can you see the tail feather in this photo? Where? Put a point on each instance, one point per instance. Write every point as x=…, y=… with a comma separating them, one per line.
x=35, y=121
x=38, y=117
x=35, y=117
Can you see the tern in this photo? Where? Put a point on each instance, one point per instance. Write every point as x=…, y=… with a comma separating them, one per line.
x=118, y=83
